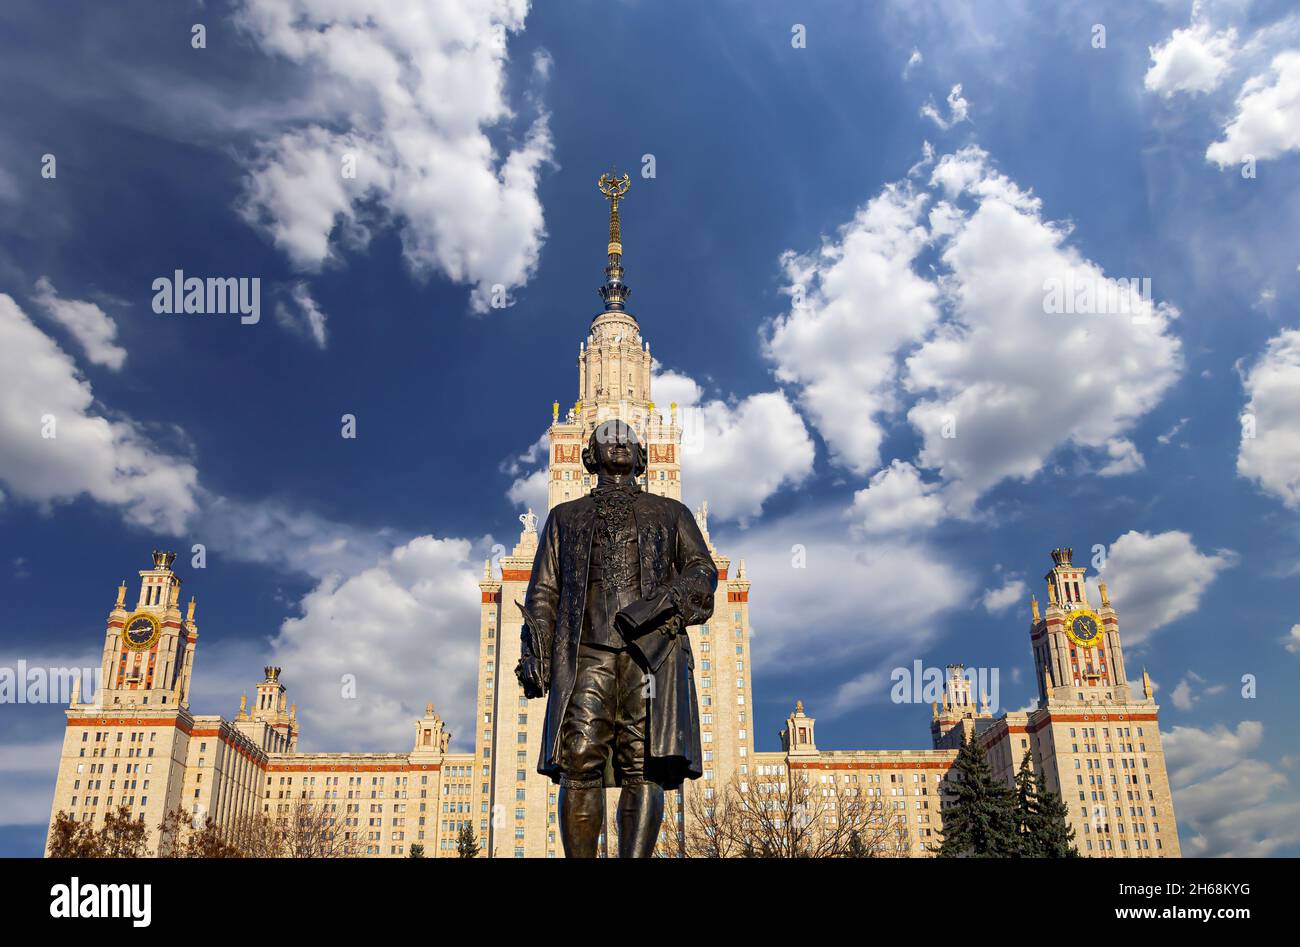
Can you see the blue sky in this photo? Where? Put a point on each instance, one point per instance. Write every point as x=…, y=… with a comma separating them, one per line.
x=843, y=244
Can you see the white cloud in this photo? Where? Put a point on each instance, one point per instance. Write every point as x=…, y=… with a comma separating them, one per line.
x=1189, y=691
x=417, y=87
x=1169, y=435
x=857, y=303
x=1292, y=640
x=117, y=461
x=307, y=318
x=990, y=407
x=1154, y=579
x=1267, y=122
x=734, y=454
x=964, y=347
x=93, y=328
x=812, y=616
x=1192, y=754
x=406, y=629
x=112, y=461
x=1124, y=457
x=958, y=109
x=896, y=499
x=1228, y=803
x=1000, y=599
x=913, y=61
x=1191, y=60
x=1270, y=442
x=27, y=781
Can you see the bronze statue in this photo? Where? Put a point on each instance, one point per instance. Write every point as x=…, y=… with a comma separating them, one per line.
x=619, y=575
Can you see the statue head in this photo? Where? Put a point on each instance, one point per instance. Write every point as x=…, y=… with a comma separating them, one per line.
x=614, y=450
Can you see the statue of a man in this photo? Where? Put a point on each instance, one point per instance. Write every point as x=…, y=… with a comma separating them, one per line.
x=619, y=575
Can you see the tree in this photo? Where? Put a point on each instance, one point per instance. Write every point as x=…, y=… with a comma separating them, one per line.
x=122, y=836
x=72, y=839
x=981, y=822
x=181, y=836
x=1052, y=829
x=1027, y=810
x=789, y=816
x=1042, y=820
x=466, y=844
x=417, y=851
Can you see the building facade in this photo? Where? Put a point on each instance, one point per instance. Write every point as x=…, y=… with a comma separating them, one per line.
x=137, y=744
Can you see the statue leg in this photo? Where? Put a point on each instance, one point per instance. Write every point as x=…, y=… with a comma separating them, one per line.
x=641, y=803
x=640, y=814
x=586, y=736
x=582, y=816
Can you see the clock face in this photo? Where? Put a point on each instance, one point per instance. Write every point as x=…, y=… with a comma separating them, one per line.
x=1083, y=628
x=141, y=631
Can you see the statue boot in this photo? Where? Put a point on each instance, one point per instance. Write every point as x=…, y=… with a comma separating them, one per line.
x=582, y=816
x=640, y=814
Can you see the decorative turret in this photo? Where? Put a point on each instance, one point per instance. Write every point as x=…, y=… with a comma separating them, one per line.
x=797, y=738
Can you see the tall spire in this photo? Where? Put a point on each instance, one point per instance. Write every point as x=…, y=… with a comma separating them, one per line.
x=615, y=291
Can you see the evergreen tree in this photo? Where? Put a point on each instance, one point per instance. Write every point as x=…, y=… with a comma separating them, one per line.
x=1027, y=811
x=1054, y=836
x=417, y=851
x=981, y=822
x=466, y=844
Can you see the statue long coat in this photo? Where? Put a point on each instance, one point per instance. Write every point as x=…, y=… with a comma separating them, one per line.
x=677, y=575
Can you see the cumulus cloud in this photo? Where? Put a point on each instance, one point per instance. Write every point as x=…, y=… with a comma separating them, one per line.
x=897, y=500
x=1292, y=640
x=1000, y=599
x=736, y=454
x=824, y=599
x=120, y=462
x=111, y=460
x=1227, y=802
x=369, y=650
x=959, y=353
x=93, y=328
x=405, y=97
x=304, y=316
x=1192, y=60
x=1269, y=453
x=1154, y=579
x=990, y=408
x=1267, y=120
x=855, y=304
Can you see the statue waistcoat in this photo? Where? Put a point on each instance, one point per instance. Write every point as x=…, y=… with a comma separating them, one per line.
x=614, y=574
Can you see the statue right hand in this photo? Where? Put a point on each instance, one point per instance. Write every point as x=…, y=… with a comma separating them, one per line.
x=532, y=676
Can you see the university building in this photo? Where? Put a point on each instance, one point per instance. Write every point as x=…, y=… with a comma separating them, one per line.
x=137, y=743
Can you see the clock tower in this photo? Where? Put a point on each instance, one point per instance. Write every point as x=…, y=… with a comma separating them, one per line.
x=149, y=648
x=1077, y=650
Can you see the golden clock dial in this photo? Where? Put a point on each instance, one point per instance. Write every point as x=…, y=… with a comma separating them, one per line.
x=1083, y=627
x=141, y=631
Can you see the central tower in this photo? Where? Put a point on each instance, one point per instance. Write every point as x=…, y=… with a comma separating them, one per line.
x=517, y=805
x=614, y=372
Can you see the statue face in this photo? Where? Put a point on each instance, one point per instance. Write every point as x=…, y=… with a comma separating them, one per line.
x=614, y=449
